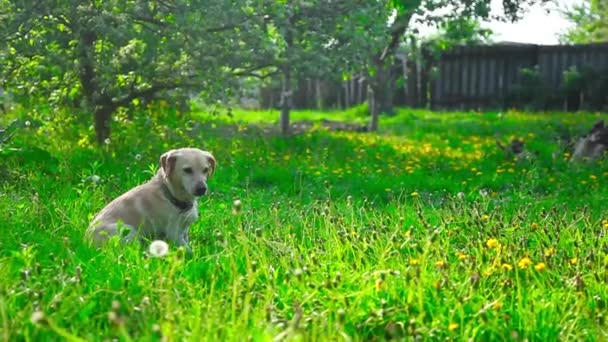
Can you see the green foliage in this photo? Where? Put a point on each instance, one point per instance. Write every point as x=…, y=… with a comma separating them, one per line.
x=461, y=31
x=106, y=55
x=580, y=89
x=424, y=230
x=590, y=20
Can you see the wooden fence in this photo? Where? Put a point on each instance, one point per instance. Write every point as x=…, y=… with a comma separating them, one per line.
x=471, y=77
x=491, y=76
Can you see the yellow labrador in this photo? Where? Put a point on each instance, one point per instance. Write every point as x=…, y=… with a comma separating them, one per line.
x=162, y=208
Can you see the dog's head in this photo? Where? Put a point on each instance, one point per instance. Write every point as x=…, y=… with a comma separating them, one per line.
x=187, y=170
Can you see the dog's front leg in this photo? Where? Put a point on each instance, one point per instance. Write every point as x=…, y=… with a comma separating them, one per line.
x=185, y=241
x=180, y=238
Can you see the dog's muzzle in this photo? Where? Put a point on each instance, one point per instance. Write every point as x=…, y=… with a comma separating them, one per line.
x=200, y=190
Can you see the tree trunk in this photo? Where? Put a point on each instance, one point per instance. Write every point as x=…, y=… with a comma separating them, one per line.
x=380, y=94
x=286, y=99
x=373, y=109
x=102, y=124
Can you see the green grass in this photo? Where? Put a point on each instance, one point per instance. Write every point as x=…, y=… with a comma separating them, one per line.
x=424, y=230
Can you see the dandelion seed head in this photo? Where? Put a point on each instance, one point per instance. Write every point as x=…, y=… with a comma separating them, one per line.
x=158, y=248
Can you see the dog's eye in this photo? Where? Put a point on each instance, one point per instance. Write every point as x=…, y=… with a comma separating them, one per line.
x=188, y=170
x=206, y=170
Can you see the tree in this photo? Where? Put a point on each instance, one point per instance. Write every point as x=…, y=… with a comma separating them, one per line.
x=114, y=54
x=319, y=38
x=590, y=21
x=429, y=11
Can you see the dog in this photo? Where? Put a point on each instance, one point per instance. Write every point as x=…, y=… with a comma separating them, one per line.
x=163, y=208
x=593, y=144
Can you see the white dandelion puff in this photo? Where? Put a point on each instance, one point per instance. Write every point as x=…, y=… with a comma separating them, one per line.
x=158, y=248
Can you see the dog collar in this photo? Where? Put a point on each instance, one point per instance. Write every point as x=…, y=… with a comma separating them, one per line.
x=183, y=206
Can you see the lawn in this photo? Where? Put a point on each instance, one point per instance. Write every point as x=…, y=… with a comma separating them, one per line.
x=424, y=230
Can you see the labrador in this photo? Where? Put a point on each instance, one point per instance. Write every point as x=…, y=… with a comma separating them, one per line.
x=162, y=208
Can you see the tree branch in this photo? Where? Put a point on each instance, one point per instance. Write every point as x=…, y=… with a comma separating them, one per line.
x=150, y=91
x=400, y=25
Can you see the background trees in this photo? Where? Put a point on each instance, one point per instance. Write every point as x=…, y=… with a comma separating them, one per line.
x=110, y=54
x=104, y=55
x=433, y=12
x=590, y=21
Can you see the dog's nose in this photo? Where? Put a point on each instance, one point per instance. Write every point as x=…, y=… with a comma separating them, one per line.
x=200, y=190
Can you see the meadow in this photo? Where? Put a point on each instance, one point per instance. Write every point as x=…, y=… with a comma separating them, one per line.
x=423, y=231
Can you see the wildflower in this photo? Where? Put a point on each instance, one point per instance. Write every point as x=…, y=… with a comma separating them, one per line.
x=453, y=326
x=461, y=256
x=573, y=261
x=415, y=194
x=497, y=305
x=524, y=262
x=379, y=284
x=158, y=248
x=440, y=264
x=605, y=224
x=236, y=206
x=485, y=217
x=534, y=225
x=138, y=156
x=38, y=317
x=492, y=243
x=540, y=266
x=549, y=252
x=414, y=262
x=107, y=141
x=507, y=267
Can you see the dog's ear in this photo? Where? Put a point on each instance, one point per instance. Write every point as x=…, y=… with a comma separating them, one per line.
x=212, y=162
x=167, y=162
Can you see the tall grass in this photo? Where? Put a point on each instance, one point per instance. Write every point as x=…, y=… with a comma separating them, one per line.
x=422, y=231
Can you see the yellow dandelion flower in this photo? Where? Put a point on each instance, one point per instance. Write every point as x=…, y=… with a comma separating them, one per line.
x=379, y=284
x=573, y=261
x=461, y=256
x=605, y=224
x=492, y=243
x=524, y=262
x=440, y=263
x=485, y=217
x=453, y=326
x=414, y=262
x=549, y=251
x=415, y=194
x=540, y=266
x=507, y=267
